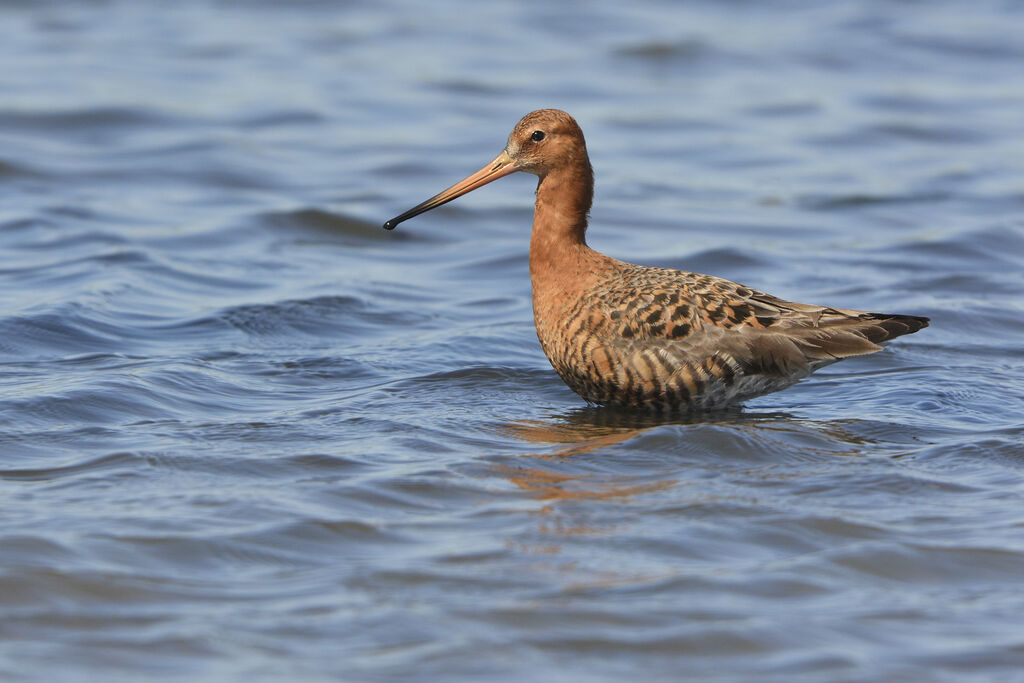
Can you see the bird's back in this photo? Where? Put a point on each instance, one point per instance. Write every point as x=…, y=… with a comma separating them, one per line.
x=668, y=339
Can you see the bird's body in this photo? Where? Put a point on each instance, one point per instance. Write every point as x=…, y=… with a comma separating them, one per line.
x=629, y=335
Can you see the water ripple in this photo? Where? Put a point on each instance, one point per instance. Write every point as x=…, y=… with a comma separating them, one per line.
x=248, y=434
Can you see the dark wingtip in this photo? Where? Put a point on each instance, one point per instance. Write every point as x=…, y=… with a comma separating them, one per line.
x=892, y=326
x=913, y=322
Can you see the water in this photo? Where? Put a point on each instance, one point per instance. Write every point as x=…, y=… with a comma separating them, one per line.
x=245, y=434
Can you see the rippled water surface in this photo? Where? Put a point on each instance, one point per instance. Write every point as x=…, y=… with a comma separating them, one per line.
x=245, y=434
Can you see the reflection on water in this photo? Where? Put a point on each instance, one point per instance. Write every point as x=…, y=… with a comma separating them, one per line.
x=602, y=431
x=552, y=485
x=590, y=429
x=613, y=436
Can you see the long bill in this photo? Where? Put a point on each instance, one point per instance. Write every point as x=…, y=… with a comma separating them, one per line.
x=499, y=168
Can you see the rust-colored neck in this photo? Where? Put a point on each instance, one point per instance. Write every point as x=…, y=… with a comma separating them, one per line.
x=564, y=196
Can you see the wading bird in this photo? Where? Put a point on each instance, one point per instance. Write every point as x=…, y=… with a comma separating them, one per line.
x=626, y=335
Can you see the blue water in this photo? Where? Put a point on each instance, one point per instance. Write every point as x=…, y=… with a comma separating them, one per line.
x=245, y=434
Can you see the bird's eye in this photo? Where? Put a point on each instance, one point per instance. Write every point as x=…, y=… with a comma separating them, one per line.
x=537, y=136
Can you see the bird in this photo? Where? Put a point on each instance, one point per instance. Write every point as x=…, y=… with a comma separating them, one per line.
x=633, y=336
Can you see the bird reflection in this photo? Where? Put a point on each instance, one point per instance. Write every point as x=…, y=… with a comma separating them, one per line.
x=592, y=430
x=587, y=429
x=580, y=471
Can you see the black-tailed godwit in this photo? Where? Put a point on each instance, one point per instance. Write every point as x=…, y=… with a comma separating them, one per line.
x=628, y=335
